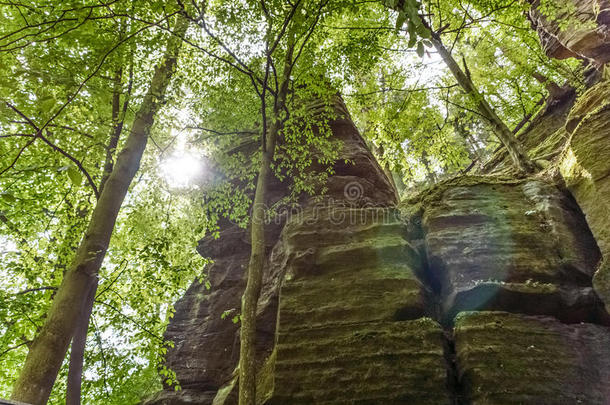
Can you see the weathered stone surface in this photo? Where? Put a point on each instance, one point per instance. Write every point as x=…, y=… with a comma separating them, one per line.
x=206, y=346
x=506, y=359
x=520, y=246
x=586, y=170
x=354, y=254
x=587, y=35
x=367, y=363
x=350, y=326
x=187, y=396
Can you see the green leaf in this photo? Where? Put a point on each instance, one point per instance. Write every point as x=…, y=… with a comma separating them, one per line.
x=75, y=175
x=47, y=103
x=8, y=197
x=412, y=36
x=420, y=49
x=424, y=32
x=400, y=20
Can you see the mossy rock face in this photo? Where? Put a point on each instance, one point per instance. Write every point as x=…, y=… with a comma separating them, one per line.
x=380, y=362
x=506, y=359
x=586, y=170
x=187, y=397
x=601, y=282
x=515, y=245
x=585, y=35
x=352, y=325
x=594, y=100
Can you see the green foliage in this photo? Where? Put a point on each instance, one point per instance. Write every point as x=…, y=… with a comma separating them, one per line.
x=58, y=68
x=565, y=14
x=423, y=125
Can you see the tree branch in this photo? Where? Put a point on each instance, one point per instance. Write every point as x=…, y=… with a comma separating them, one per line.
x=29, y=290
x=52, y=145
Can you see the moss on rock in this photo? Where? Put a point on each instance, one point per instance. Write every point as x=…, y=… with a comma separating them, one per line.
x=506, y=359
x=585, y=167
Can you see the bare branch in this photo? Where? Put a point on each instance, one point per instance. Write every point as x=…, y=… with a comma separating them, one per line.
x=24, y=343
x=29, y=290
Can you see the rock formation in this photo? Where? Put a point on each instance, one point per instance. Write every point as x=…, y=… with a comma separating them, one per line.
x=482, y=290
x=505, y=358
x=586, y=169
x=478, y=291
x=510, y=245
x=586, y=34
x=199, y=330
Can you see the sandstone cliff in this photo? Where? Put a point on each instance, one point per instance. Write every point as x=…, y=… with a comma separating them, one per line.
x=586, y=34
x=483, y=289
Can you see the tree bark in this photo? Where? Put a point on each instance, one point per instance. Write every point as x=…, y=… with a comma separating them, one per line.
x=47, y=353
x=79, y=340
x=520, y=159
x=77, y=351
x=249, y=301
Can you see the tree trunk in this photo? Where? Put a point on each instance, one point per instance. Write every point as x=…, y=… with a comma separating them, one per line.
x=49, y=348
x=79, y=340
x=521, y=161
x=249, y=300
x=77, y=351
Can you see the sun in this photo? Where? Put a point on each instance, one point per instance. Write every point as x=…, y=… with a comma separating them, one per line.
x=181, y=169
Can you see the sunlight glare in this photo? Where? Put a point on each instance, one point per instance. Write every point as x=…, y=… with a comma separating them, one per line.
x=181, y=170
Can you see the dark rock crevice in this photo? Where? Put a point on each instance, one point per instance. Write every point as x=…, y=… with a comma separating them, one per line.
x=453, y=384
x=455, y=387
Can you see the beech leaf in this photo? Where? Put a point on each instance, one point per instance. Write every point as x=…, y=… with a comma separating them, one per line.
x=420, y=49
x=75, y=176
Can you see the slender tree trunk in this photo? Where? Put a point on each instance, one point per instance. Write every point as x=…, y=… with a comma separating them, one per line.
x=118, y=120
x=249, y=301
x=77, y=352
x=49, y=348
x=79, y=340
x=520, y=159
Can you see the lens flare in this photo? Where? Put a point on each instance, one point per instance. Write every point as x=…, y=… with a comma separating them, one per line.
x=181, y=170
